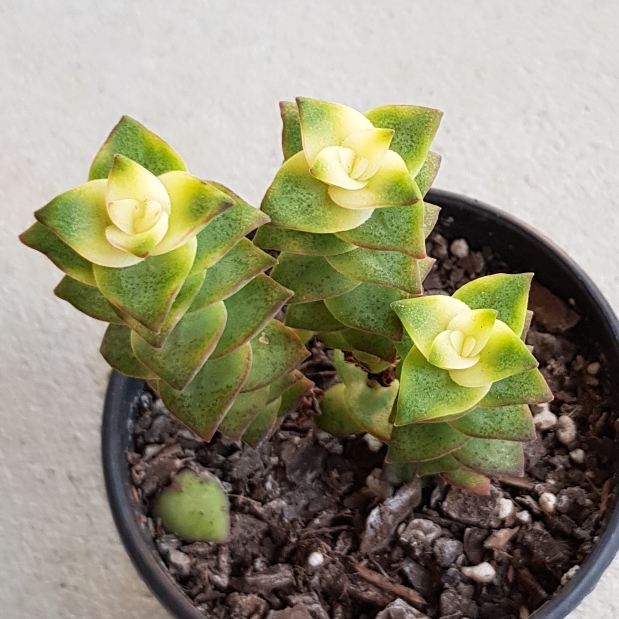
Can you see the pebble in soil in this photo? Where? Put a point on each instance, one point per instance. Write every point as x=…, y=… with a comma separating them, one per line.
x=317, y=535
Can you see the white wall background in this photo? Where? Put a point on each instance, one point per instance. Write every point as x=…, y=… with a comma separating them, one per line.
x=530, y=91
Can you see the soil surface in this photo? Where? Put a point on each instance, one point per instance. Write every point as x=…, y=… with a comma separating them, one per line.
x=317, y=534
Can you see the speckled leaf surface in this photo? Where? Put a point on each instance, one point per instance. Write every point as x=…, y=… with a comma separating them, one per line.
x=426, y=175
x=79, y=218
x=291, y=129
x=224, y=232
x=244, y=410
x=281, y=385
x=203, y=403
x=239, y=266
x=181, y=305
x=249, y=310
x=428, y=392
x=430, y=217
x=504, y=355
x=66, y=259
x=386, y=268
x=86, y=299
x=422, y=442
x=195, y=203
x=147, y=290
x=370, y=343
x=492, y=457
x=312, y=316
x=415, y=128
x=187, y=347
x=134, y=140
x=311, y=278
x=335, y=415
x=304, y=243
x=195, y=508
x=525, y=388
x=507, y=294
x=399, y=228
x=298, y=201
x=368, y=308
x=291, y=398
x=512, y=423
x=263, y=424
x=276, y=350
x=116, y=350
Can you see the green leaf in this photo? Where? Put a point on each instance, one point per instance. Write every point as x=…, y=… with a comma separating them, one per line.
x=304, y=243
x=298, y=201
x=426, y=175
x=492, y=457
x=249, y=310
x=86, y=299
x=186, y=349
x=326, y=124
x=291, y=398
x=312, y=316
x=147, y=290
x=195, y=203
x=386, y=268
x=135, y=141
x=181, y=305
x=348, y=373
x=263, y=424
x=239, y=266
x=368, y=308
x=42, y=239
x=525, y=388
x=405, y=346
x=421, y=442
x=335, y=340
x=399, y=228
x=194, y=507
x=370, y=406
x=79, y=218
x=391, y=186
x=204, y=402
x=504, y=355
x=509, y=423
x=276, y=350
x=335, y=415
x=430, y=217
x=415, y=128
x=225, y=231
x=291, y=130
x=440, y=465
x=368, y=342
x=374, y=364
x=425, y=317
x=428, y=393
x=507, y=294
x=116, y=350
x=244, y=410
x=278, y=387
x=468, y=480
x=311, y=278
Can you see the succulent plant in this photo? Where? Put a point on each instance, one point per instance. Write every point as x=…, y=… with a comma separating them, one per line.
x=466, y=379
x=195, y=507
x=162, y=257
x=348, y=216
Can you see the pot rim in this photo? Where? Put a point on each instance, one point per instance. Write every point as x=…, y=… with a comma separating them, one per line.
x=116, y=426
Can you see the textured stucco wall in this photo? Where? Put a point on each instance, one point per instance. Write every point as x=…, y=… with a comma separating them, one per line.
x=530, y=92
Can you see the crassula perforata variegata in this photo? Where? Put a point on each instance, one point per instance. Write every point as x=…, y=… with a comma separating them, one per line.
x=348, y=216
x=466, y=378
x=161, y=255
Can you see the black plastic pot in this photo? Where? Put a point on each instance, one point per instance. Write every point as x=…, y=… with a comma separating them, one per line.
x=522, y=249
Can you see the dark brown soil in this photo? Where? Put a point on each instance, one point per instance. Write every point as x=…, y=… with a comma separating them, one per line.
x=316, y=533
